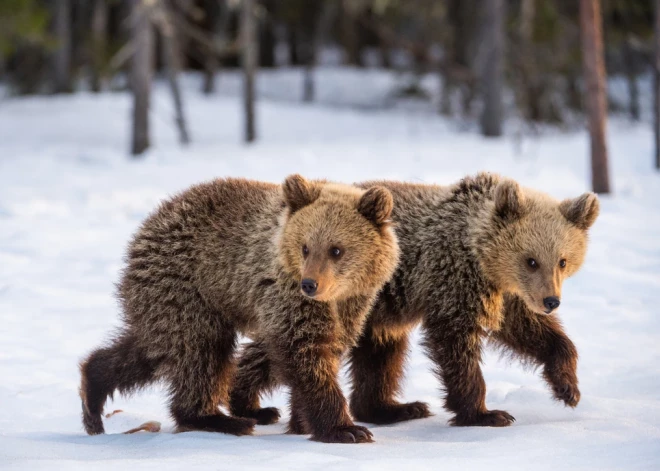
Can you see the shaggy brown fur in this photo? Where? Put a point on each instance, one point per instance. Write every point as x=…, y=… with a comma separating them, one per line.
x=227, y=257
x=465, y=272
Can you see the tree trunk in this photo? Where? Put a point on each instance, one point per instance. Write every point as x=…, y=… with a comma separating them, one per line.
x=98, y=43
x=62, y=56
x=528, y=92
x=350, y=34
x=318, y=21
x=656, y=87
x=267, y=38
x=596, y=94
x=141, y=73
x=250, y=57
x=492, y=76
x=172, y=63
x=630, y=66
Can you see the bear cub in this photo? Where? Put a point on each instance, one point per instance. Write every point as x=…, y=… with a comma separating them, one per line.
x=296, y=267
x=483, y=259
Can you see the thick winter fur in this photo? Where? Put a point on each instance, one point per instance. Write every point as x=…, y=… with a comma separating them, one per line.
x=227, y=257
x=466, y=272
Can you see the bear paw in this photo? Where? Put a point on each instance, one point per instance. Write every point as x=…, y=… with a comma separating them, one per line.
x=263, y=416
x=345, y=434
x=491, y=418
x=267, y=415
x=392, y=413
x=569, y=393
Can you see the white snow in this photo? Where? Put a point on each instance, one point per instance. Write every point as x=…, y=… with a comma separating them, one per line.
x=70, y=199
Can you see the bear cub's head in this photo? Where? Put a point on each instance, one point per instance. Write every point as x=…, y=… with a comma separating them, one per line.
x=537, y=242
x=337, y=240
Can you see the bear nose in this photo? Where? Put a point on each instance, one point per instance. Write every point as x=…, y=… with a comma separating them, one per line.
x=551, y=303
x=309, y=286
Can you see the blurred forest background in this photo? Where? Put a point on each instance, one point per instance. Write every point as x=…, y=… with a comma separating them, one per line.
x=549, y=59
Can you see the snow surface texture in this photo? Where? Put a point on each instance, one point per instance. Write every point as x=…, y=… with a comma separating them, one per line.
x=70, y=199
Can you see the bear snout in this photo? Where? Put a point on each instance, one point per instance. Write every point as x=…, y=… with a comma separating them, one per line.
x=551, y=303
x=309, y=286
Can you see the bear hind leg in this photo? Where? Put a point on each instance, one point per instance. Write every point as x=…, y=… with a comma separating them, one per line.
x=122, y=366
x=377, y=367
x=457, y=356
x=253, y=378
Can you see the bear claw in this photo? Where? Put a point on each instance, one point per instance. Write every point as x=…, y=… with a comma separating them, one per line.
x=392, y=413
x=346, y=434
x=491, y=418
x=567, y=393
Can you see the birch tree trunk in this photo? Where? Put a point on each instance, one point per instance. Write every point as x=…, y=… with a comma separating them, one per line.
x=141, y=73
x=250, y=56
x=596, y=99
x=492, y=76
x=62, y=56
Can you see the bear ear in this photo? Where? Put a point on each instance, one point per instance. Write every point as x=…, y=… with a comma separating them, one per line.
x=581, y=211
x=509, y=200
x=376, y=205
x=299, y=192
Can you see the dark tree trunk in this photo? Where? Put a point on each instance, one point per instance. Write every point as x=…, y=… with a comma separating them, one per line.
x=267, y=39
x=98, y=42
x=596, y=93
x=292, y=43
x=656, y=86
x=461, y=27
x=492, y=74
x=350, y=34
x=250, y=56
x=141, y=74
x=172, y=64
x=527, y=89
x=62, y=55
x=630, y=65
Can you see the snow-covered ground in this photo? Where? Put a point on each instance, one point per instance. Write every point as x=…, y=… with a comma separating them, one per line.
x=70, y=199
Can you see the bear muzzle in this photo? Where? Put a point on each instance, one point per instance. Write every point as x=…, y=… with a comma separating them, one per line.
x=309, y=287
x=551, y=303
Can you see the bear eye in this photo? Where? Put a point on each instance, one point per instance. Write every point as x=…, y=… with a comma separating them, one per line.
x=305, y=250
x=335, y=252
x=532, y=263
x=562, y=263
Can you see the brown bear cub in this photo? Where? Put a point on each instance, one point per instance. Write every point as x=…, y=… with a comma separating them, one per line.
x=296, y=266
x=480, y=259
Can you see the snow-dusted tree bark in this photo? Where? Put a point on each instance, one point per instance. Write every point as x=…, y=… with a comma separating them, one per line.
x=62, y=56
x=141, y=73
x=99, y=33
x=492, y=65
x=596, y=93
x=250, y=56
x=656, y=87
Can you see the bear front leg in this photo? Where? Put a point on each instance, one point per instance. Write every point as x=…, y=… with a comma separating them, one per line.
x=253, y=378
x=542, y=340
x=376, y=365
x=456, y=350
